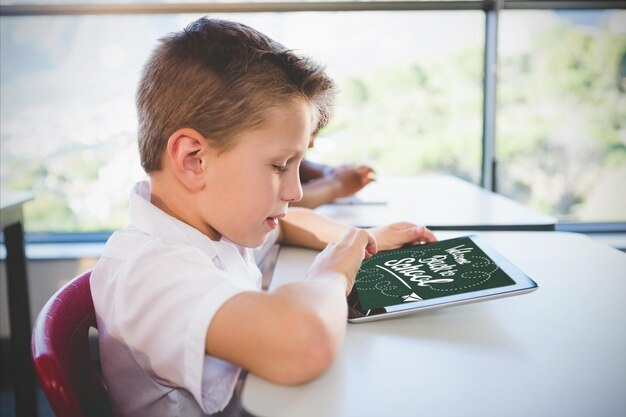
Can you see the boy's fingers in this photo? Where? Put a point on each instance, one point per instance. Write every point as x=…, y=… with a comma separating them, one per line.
x=360, y=238
x=364, y=238
x=419, y=234
x=424, y=234
x=372, y=246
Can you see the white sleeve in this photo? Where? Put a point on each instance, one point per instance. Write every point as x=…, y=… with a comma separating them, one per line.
x=163, y=304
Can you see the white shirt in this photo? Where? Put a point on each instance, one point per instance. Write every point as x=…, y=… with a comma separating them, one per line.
x=155, y=290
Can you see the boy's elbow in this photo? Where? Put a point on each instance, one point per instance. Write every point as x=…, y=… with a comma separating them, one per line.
x=319, y=351
x=314, y=348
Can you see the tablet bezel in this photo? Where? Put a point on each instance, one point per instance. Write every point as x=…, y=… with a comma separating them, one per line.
x=523, y=284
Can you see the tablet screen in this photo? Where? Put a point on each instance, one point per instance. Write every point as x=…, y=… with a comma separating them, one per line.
x=451, y=270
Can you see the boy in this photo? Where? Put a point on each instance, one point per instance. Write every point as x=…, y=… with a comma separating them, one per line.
x=225, y=117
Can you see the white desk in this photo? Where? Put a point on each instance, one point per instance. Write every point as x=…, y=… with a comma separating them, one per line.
x=442, y=202
x=559, y=351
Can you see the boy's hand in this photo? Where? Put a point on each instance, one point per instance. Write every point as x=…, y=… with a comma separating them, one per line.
x=398, y=234
x=345, y=256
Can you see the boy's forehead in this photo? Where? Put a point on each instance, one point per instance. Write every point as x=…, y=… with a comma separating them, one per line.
x=284, y=130
x=292, y=145
x=289, y=121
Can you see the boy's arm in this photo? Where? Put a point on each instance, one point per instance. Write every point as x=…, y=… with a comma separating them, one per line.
x=292, y=334
x=305, y=228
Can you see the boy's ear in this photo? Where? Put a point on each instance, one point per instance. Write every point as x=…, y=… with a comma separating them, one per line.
x=187, y=152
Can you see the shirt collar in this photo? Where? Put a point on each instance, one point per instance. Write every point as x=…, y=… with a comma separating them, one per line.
x=152, y=220
x=155, y=222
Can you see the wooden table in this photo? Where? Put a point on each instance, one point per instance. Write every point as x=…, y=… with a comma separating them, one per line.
x=559, y=351
x=442, y=202
x=24, y=382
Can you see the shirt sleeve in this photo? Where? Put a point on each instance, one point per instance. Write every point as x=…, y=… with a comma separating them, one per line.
x=164, y=302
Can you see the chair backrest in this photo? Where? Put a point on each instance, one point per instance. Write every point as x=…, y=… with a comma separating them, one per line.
x=68, y=375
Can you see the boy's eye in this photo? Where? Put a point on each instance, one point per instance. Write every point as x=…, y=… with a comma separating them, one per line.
x=280, y=168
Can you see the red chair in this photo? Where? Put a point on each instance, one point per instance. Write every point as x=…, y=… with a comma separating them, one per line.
x=68, y=374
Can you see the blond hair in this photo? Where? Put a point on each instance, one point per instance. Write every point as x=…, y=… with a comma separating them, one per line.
x=219, y=78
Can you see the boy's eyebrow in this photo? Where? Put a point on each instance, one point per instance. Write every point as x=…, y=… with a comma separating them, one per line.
x=296, y=157
x=292, y=153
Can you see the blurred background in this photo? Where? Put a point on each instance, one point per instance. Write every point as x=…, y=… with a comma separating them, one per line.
x=411, y=102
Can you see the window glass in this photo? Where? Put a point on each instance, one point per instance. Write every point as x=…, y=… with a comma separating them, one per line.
x=68, y=117
x=410, y=100
x=410, y=88
x=561, y=119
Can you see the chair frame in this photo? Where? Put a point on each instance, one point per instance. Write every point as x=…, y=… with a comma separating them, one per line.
x=68, y=374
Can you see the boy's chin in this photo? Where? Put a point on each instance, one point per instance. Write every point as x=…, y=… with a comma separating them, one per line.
x=252, y=241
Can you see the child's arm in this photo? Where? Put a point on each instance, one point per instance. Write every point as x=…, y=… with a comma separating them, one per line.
x=306, y=228
x=310, y=170
x=337, y=182
x=292, y=334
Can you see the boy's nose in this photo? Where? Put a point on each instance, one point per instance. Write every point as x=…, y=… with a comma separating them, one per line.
x=293, y=190
x=298, y=193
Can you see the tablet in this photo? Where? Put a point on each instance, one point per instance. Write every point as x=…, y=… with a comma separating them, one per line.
x=445, y=273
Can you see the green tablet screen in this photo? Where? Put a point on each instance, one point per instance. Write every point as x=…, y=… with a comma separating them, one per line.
x=416, y=273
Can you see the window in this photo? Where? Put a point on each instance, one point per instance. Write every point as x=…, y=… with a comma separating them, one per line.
x=411, y=91
x=561, y=127
x=411, y=99
x=68, y=116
